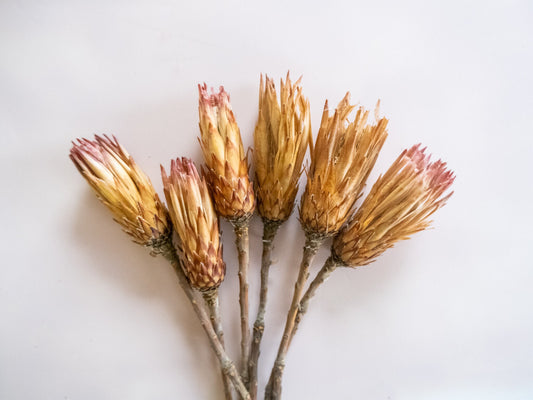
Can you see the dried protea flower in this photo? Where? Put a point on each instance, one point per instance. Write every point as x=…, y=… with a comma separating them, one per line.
x=121, y=185
x=398, y=205
x=227, y=163
x=281, y=137
x=344, y=154
x=196, y=224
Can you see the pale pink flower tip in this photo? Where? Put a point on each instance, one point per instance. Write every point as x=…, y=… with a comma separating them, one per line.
x=184, y=166
x=213, y=99
x=97, y=150
x=435, y=174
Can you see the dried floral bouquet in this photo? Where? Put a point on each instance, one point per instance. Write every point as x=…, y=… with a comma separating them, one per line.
x=186, y=230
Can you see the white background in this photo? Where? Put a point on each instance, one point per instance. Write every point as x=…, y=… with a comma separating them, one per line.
x=86, y=314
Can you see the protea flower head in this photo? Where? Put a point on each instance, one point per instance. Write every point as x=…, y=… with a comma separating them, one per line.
x=281, y=137
x=344, y=154
x=121, y=185
x=398, y=205
x=195, y=223
x=227, y=163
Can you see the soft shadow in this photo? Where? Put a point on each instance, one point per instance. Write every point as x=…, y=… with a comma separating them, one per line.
x=132, y=269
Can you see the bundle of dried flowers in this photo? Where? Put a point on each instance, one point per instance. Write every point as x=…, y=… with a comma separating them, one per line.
x=399, y=204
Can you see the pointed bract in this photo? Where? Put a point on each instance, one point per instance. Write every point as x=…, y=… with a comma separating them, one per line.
x=123, y=187
x=195, y=223
x=344, y=154
x=398, y=205
x=281, y=137
x=227, y=163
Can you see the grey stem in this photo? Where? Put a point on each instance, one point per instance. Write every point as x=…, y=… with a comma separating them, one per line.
x=211, y=300
x=241, y=241
x=273, y=388
x=270, y=229
x=329, y=266
x=166, y=249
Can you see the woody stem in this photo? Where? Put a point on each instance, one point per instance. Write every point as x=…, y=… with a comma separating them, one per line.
x=167, y=250
x=241, y=241
x=329, y=266
x=211, y=300
x=270, y=229
x=273, y=389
